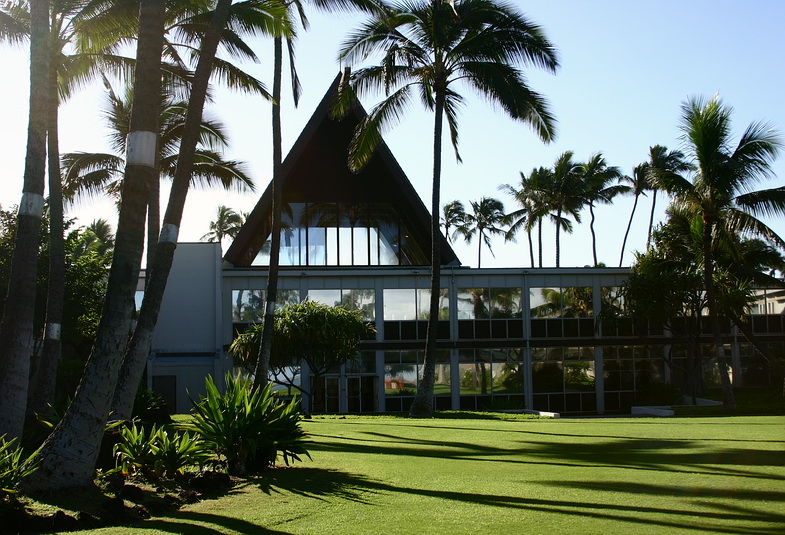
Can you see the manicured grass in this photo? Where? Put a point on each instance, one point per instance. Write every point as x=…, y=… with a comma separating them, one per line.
x=400, y=476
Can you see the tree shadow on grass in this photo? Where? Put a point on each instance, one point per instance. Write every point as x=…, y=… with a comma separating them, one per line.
x=183, y=522
x=332, y=484
x=631, y=454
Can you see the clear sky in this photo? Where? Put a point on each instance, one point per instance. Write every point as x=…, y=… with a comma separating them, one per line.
x=626, y=68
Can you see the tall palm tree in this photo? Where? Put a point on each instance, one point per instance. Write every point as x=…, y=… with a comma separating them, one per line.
x=102, y=173
x=661, y=163
x=598, y=178
x=566, y=196
x=16, y=328
x=721, y=193
x=428, y=48
x=227, y=224
x=638, y=184
x=454, y=217
x=532, y=200
x=270, y=18
x=68, y=455
x=262, y=371
x=485, y=220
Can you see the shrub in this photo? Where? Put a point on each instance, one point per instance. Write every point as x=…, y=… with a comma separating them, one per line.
x=248, y=427
x=164, y=452
x=14, y=466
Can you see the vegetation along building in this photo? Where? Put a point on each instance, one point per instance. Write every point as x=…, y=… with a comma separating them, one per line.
x=542, y=339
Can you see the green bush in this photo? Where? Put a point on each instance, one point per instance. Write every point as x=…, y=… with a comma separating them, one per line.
x=248, y=427
x=14, y=466
x=163, y=453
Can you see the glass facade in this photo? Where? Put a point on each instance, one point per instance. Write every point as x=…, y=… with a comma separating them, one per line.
x=344, y=234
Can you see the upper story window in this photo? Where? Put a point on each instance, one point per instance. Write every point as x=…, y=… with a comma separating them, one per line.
x=343, y=234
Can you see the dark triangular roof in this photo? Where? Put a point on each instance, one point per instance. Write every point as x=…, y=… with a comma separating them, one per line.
x=316, y=170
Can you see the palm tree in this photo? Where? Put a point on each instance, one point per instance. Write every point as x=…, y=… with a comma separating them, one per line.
x=565, y=195
x=68, y=455
x=262, y=370
x=102, y=173
x=454, y=216
x=428, y=48
x=598, y=178
x=16, y=328
x=638, y=185
x=533, y=207
x=226, y=225
x=721, y=193
x=485, y=220
x=661, y=164
x=271, y=18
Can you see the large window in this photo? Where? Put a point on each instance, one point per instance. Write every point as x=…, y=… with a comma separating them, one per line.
x=562, y=312
x=248, y=305
x=343, y=234
x=363, y=300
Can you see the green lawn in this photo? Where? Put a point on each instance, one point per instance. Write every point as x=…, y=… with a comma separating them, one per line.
x=400, y=476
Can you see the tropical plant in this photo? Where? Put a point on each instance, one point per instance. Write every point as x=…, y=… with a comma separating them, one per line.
x=321, y=336
x=566, y=196
x=269, y=18
x=102, y=173
x=428, y=48
x=485, y=220
x=661, y=165
x=164, y=452
x=14, y=466
x=638, y=184
x=453, y=217
x=16, y=328
x=69, y=454
x=721, y=194
x=599, y=178
x=292, y=6
x=533, y=207
x=248, y=427
x=227, y=224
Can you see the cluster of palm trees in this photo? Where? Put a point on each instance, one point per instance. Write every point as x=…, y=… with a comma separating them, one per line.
x=560, y=194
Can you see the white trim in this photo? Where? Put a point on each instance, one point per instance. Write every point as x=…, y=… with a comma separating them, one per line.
x=53, y=331
x=140, y=148
x=31, y=204
x=169, y=233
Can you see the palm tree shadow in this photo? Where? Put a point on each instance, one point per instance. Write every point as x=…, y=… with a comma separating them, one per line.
x=183, y=522
x=317, y=483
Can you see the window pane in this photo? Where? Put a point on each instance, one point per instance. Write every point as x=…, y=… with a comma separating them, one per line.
x=326, y=297
x=247, y=306
x=545, y=302
x=473, y=303
x=399, y=304
x=505, y=302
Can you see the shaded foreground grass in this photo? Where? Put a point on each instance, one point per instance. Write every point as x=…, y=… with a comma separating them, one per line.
x=393, y=475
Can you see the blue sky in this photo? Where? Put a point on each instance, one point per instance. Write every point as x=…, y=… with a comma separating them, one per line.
x=626, y=68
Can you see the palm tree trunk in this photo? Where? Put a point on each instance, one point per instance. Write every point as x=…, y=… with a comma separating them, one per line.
x=627, y=233
x=593, y=235
x=539, y=241
x=139, y=348
x=16, y=328
x=262, y=371
x=729, y=400
x=44, y=379
x=531, y=246
x=651, y=217
x=68, y=456
x=422, y=406
x=558, y=234
x=479, y=251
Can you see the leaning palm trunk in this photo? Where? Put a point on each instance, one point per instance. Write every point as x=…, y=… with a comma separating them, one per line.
x=422, y=406
x=729, y=400
x=262, y=371
x=139, y=348
x=43, y=381
x=627, y=232
x=68, y=456
x=16, y=329
x=593, y=234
